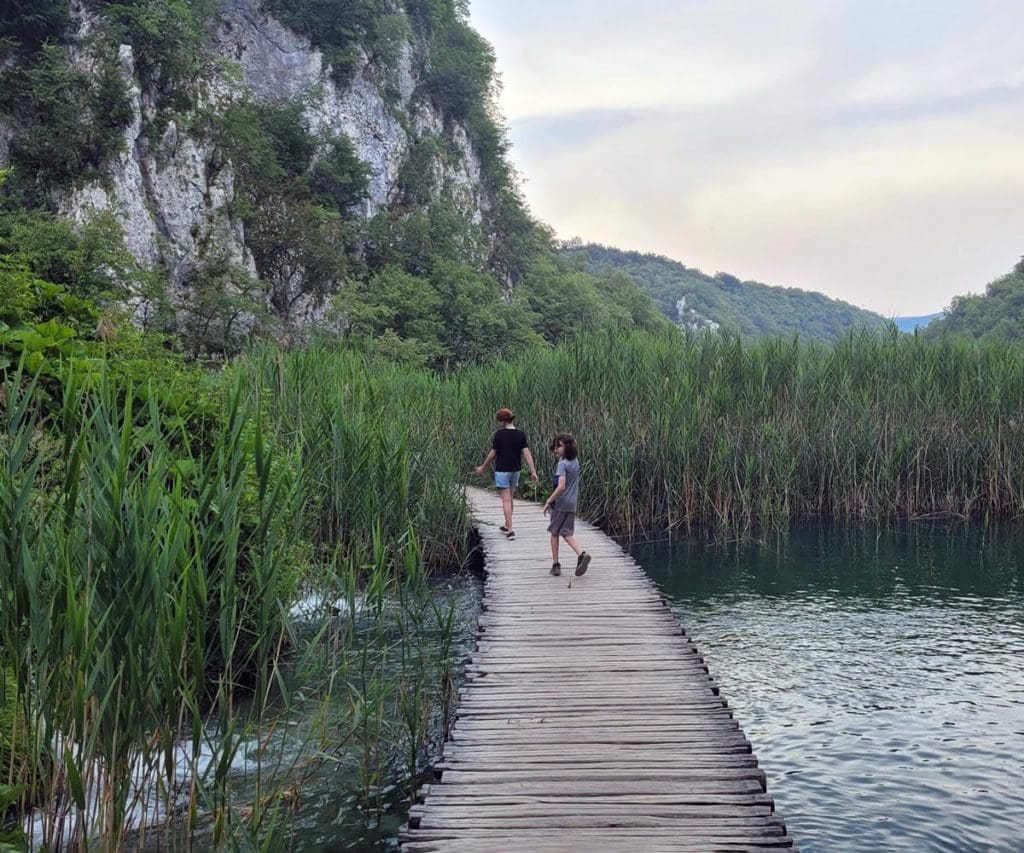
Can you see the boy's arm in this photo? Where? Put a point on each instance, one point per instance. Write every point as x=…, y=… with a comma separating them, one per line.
x=529, y=464
x=486, y=462
x=554, y=495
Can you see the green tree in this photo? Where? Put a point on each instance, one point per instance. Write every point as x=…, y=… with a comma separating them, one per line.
x=67, y=121
x=31, y=22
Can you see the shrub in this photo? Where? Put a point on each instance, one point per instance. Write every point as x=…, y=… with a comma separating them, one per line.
x=68, y=121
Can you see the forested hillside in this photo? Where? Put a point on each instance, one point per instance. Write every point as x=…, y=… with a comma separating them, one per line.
x=694, y=300
x=998, y=314
x=219, y=170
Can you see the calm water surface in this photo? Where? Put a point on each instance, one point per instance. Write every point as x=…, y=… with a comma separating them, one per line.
x=879, y=675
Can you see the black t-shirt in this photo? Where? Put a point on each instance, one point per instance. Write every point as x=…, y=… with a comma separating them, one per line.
x=508, y=447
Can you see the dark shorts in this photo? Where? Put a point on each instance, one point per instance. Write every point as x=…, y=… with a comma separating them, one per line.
x=562, y=523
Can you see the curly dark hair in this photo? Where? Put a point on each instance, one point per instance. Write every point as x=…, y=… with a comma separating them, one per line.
x=568, y=441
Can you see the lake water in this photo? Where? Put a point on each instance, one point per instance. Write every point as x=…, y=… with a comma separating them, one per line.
x=878, y=674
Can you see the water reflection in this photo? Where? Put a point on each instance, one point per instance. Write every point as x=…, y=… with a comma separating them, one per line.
x=879, y=674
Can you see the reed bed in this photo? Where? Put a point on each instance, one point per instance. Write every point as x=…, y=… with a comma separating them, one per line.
x=150, y=664
x=147, y=573
x=717, y=433
x=375, y=454
x=677, y=433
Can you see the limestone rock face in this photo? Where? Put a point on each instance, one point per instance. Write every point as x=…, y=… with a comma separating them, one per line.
x=278, y=64
x=690, y=320
x=172, y=195
x=5, y=143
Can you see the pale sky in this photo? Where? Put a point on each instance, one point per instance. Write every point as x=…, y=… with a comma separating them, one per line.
x=869, y=149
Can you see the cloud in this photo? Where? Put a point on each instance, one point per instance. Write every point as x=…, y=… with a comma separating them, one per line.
x=866, y=149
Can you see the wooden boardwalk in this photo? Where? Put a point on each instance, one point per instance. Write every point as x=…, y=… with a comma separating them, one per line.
x=589, y=720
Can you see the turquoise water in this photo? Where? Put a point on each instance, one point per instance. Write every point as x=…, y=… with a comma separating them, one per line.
x=879, y=675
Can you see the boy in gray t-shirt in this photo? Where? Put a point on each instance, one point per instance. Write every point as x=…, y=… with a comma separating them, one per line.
x=562, y=503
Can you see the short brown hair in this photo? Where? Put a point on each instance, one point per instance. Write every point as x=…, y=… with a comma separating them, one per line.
x=506, y=416
x=568, y=442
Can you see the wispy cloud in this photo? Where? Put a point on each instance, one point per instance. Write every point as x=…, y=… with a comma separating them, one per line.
x=864, y=148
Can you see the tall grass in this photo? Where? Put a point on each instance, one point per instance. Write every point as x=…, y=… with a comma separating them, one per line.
x=714, y=432
x=676, y=432
x=145, y=643
x=141, y=587
x=374, y=448
x=146, y=573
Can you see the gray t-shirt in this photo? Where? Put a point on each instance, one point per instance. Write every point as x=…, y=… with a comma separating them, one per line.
x=571, y=471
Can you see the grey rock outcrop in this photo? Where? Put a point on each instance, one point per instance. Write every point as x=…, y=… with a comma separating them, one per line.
x=172, y=194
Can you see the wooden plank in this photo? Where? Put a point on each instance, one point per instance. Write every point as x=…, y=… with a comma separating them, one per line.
x=588, y=719
x=570, y=842
x=592, y=788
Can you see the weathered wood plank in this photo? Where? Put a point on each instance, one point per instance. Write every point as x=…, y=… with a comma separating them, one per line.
x=589, y=719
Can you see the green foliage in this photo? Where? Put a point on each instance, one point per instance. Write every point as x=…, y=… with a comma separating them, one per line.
x=140, y=591
x=747, y=307
x=568, y=301
x=339, y=179
x=292, y=191
x=455, y=316
x=19, y=760
x=342, y=29
x=401, y=309
x=221, y=306
x=40, y=322
x=429, y=299
x=685, y=432
x=67, y=121
x=168, y=40
x=717, y=432
x=418, y=240
x=997, y=315
x=417, y=178
x=90, y=261
x=54, y=284
x=32, y=22
x=432, y=16
x=372, y=467
x=461, y=71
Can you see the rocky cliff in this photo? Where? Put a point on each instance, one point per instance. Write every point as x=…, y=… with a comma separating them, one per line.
x=172, y=187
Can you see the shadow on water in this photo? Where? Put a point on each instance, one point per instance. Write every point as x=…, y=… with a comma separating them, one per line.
x=878, y=672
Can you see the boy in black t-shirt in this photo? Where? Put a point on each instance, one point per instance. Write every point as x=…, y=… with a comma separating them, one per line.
x=508, y=449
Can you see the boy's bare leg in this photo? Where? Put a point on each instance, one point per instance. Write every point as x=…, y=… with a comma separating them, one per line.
x=506, y=506
x=572, y=543
x=554, y=548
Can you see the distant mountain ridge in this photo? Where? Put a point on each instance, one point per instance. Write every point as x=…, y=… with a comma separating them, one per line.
x=696, y=301
x=911, y=324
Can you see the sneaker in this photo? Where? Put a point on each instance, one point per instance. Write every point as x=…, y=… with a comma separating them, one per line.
x=503, y=529
x=582, y=563
x=510, y=535
x=556, y=569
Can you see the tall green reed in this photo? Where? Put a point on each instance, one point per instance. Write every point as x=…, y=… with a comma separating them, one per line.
x=719, y=433
x=140, y=593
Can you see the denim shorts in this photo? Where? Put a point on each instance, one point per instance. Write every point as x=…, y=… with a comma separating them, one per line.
x=506, y=479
